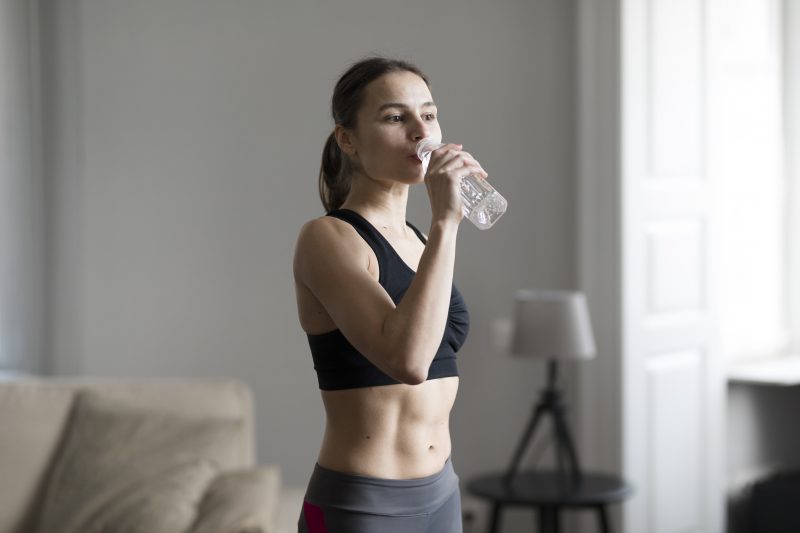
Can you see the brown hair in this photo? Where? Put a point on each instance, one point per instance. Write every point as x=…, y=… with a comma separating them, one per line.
x=335, y=172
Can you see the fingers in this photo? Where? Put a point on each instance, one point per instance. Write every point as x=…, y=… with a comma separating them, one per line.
x=450, y=158
x=448, y=165
x=464, y=166
x=443, y=155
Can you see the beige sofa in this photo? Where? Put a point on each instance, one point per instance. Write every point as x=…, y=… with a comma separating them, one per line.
x=156, y=455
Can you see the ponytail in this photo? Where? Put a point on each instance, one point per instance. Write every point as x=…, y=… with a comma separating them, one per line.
x=334, y=175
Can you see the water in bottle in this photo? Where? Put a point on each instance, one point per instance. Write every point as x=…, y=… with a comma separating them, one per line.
x=482, y=204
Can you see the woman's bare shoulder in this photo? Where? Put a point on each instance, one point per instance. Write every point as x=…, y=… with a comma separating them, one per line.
x=327, y=231
x=331, y=240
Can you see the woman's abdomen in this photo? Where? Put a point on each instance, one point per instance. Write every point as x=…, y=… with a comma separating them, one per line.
x=392, y=432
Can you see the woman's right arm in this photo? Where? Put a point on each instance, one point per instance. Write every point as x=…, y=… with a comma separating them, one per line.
x=333, y=263
x=400, y=340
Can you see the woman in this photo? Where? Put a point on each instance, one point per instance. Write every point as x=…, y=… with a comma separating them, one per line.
x=384, y=321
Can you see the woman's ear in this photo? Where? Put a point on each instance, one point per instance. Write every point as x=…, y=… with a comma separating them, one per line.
x=344, y=138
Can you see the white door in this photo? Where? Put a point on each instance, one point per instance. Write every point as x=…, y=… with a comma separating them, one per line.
x=672, y=383
x=654, y=405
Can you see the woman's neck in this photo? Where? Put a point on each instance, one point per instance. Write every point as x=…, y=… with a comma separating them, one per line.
x=384, y=205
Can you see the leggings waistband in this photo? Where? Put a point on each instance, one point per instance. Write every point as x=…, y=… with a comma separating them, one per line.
x=329, y=488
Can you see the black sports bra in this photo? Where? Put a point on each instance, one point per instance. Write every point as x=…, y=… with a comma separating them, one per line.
x=339, y=365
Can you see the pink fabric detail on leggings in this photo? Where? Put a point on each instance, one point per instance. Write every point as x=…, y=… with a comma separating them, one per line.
x=315, y=520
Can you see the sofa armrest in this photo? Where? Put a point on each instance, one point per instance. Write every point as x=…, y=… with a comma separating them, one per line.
x=291, y=503
x=241, y=501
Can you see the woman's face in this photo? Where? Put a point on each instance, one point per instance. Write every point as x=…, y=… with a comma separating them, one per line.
x=397, y=112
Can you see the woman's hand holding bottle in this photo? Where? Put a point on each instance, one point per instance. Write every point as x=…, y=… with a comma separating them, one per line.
x=481, y=203
x=447, y=166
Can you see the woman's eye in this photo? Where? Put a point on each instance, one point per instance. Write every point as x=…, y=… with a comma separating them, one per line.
x=430, y=116
x=394, y=118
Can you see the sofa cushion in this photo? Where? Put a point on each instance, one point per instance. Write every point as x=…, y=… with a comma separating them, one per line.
x=122, y=468
x=241, y=500
x=32, y=420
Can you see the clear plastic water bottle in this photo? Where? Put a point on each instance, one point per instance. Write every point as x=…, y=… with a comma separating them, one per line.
x=483, y=205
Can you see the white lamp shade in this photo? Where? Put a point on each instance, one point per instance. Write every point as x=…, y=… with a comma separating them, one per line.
x=552, y=324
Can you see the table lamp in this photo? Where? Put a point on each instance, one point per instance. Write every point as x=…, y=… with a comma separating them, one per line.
x=552, y=325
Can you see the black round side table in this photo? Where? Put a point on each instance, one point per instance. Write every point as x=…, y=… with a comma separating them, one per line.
x=548, y=492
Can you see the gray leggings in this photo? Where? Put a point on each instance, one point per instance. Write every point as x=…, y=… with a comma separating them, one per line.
x=342, y=503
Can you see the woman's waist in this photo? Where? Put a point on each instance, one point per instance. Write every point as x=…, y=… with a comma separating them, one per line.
x=390, y=448
x=380, y=495
x=410, y=459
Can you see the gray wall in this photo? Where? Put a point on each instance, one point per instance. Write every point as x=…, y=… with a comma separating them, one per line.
x=182, y=151
x=21, y=193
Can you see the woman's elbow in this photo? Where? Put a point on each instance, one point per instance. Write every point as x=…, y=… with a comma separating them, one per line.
x=414, y=377
x=411, y=374
x=406, y=365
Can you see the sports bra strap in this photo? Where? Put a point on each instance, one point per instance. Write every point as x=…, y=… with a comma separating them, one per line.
x=418, y=232
x=369, y=233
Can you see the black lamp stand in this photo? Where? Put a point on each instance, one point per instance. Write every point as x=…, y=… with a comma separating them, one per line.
x=550, y=403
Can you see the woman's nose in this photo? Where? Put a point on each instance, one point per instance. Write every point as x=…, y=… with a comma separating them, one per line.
x=419, y=130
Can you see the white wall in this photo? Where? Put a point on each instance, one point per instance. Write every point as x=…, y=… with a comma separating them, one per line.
x=21, y=194
x=182, y=155
x=791, y=93
x=760, y=440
